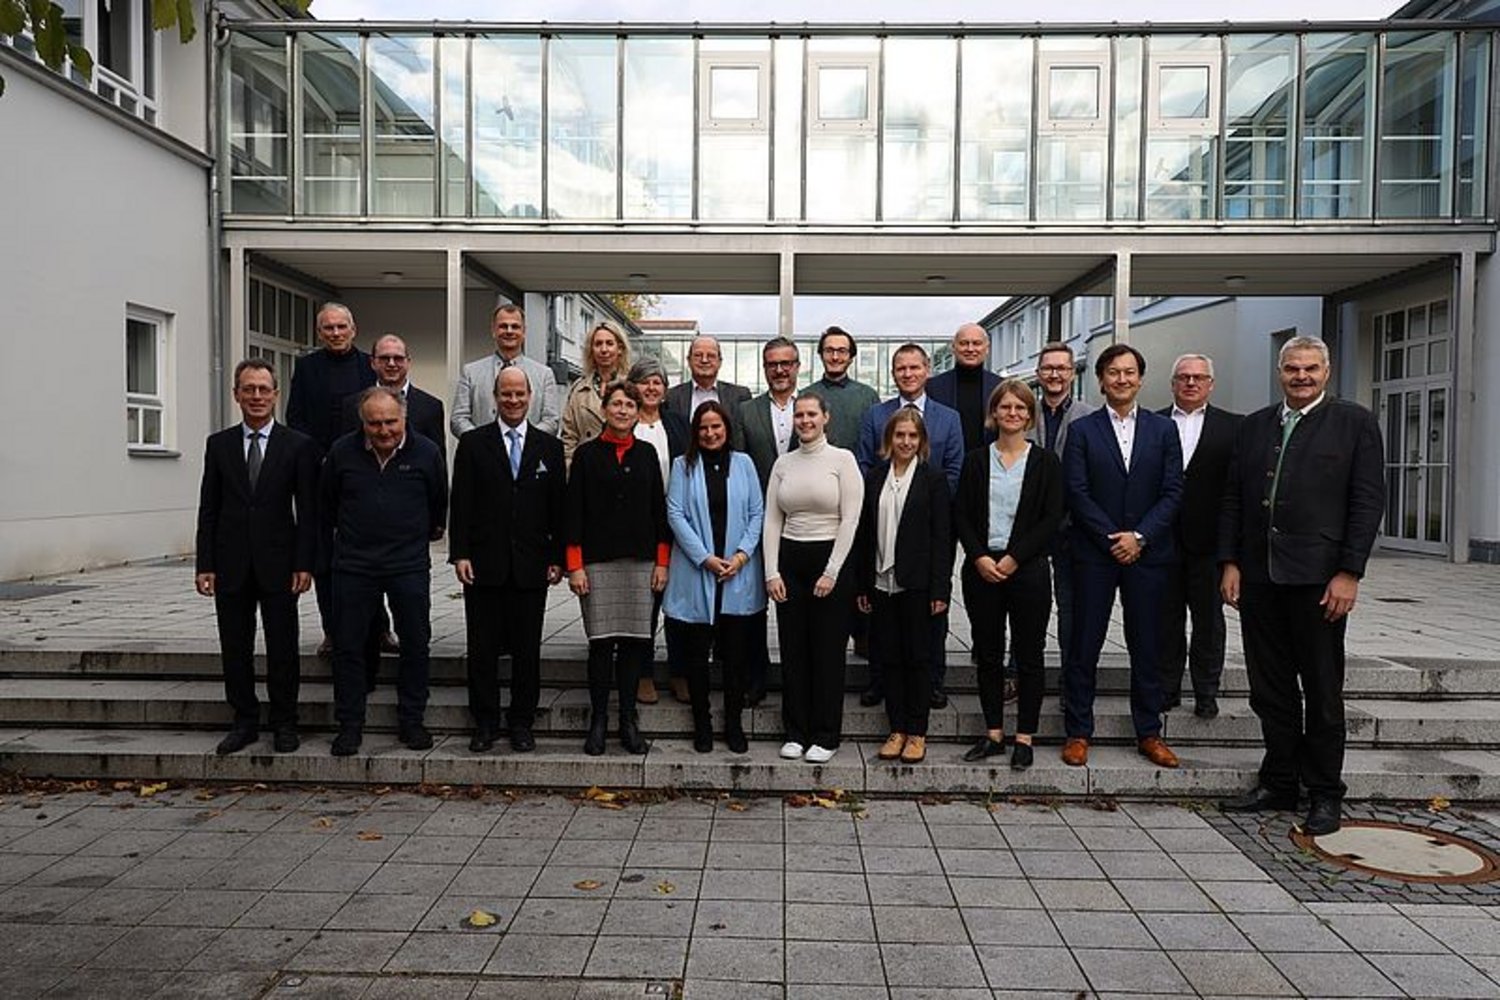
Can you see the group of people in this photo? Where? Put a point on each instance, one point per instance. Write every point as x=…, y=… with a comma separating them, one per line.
x=704, y=506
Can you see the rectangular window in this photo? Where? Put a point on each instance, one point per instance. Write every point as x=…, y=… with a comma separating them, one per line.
x=146, y=379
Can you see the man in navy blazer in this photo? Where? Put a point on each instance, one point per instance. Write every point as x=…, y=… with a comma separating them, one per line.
x=966, y=387
x=256, y=545
x=910, y=367
x=1123, y=470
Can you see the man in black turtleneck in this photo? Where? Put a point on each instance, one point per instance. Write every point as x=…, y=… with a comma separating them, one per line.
x=966, y=387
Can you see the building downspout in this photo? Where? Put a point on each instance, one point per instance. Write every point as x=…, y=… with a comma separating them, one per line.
x=218, y=343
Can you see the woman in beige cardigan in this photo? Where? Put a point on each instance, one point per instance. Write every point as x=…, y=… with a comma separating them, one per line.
x=606, y=357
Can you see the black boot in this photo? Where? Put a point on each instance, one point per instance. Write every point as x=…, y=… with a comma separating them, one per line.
x=703, y=735
x=593, y=744
x=734, y=703
x=630, y=733
x=734, y=734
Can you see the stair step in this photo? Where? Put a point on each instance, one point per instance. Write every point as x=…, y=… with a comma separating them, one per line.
x=1206, y=772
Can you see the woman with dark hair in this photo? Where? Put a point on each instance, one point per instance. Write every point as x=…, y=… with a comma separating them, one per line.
x=906, y=575
x=812, y=512
x=618, y=547
x=715, y=588
x=1008, y=508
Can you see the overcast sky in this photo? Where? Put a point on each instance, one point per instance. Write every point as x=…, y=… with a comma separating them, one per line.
x=905, y=316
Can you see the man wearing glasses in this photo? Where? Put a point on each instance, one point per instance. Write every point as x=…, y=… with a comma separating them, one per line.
x=392, y=363
x=847, y=398
x=474, y=396
x=1207, y=436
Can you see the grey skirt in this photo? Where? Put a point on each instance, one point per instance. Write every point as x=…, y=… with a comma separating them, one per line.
x=618, y=604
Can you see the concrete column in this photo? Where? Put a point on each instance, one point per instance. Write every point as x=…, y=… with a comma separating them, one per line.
x=1464, y=454
x=784, y=325
x=1121, y=331
x=237, y=314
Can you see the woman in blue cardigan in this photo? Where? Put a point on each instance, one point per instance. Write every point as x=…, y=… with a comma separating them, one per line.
x=715, y=585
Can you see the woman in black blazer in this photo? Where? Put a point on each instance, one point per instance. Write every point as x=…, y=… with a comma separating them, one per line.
x=1009, y=505
x=905, y=575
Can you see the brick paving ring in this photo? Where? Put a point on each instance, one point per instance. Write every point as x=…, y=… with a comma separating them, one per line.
x=1405, y=853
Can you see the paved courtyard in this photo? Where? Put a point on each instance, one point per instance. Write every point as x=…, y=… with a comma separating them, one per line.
x=229, y=892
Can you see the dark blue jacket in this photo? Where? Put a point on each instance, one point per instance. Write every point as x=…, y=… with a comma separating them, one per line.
x=380, y=521
x=321, y=380
x=1104, y=498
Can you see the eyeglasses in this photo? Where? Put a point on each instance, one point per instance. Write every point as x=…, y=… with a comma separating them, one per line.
x=510, y=326
x=780, y=365
x=1054, y=370
x=1192, y=379
x=836, y=351
x=256, y=390
x=390, y=359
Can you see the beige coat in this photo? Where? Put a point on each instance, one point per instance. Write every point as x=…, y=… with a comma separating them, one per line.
x=582, y=416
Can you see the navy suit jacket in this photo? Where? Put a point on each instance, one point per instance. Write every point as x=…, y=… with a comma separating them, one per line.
x=945, y=436
x=944, y=389
x=1104, y=498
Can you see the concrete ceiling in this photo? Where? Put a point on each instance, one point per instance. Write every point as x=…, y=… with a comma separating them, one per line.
x=1264, y=274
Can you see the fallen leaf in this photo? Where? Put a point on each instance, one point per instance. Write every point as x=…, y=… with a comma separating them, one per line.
x=735, y=805
x=122, y=786
x=480, y=918
x=204, y=795
x=597, y=794
x=381, y=790
x=588, y=884
x=610, y=805
x=369, y=835
x=1437, y=804
x=797, y=800
x=665, y=888
x=149, y=790
x=323, y=823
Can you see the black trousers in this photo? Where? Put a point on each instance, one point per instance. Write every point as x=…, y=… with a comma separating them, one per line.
x=901, y=630
x=814, y=632
x=621, y=660
x=937, y=650
x=496, y=620
x=235, y=612
x=356, y=604
x=1025, y=603
x=697, y=643
x=1192, y=592
x=1287, y=645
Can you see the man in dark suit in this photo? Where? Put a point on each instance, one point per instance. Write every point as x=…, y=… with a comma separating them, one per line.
x=910, y=369
x=1123, y=472
x=1207, y=437
x=1301, y=509
x=256, y=542
x=966, y=387
x=315, y=406
x=391, y=361
x=704, y=361
x=506, y=546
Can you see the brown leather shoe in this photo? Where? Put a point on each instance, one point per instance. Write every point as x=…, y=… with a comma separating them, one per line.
x=680, y=690
x=645, y=691
x=892, y=747
x=1155, y=749
x=1075, y=752
x=916, y=750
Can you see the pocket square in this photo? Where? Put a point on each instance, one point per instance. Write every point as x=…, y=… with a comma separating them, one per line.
x=541, y=468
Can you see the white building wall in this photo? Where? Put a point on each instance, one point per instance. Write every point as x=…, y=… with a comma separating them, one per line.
x=108, y=219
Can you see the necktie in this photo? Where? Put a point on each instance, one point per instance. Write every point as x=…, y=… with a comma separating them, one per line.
x=515, y=453
x=1288, y=423
x=254, y=457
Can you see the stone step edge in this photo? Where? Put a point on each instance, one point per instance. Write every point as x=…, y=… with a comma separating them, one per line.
x=1457, y=775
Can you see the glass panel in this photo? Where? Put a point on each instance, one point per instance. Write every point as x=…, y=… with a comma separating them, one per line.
x=1474, y=94
x=268, y=309
x=1073, y=93
x=1395, y=327
x=1437, y=481
x=1416, y=361
x=114, y=50
x=659, y=128
x=453, y=56
x=331, y=154
x=151, y=426
x=1129, y=53
x=1416, y=113
x=1437, y=426
x=996, y=109
x=1411, y=480
x=732, y=176
x=256, y=139
x=841, y=150
x=283, y=313
x=581, y=128
x=1439, y=316
x=1393, y=365
x=507, y=115
x=843, y=93
x=148, y=50
x=1416, y=322
x=1437, y=357
x=1411, y=449
x=918, y=128
x=1337, y=100
x=1259, y=89
x=403, y=102
x=133, y=424
x=734, y=93
x=140, y=357
x=1070, y=177
x=1180, y=182
x=789, y=102
x=1183, y=92
x=252, y=300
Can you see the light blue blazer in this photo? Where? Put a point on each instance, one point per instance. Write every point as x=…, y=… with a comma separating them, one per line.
x=690, y=587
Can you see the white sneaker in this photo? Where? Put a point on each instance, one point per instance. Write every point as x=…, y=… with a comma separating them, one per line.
x=819, y=755
x=791, y=750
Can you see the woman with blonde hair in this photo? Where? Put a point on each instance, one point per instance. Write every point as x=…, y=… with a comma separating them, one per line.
x=606, y=358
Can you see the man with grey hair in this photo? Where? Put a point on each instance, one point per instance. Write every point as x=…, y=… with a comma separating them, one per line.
x=1207, y=436
x=1303, y=503
x=474, y=395
x=704, y=361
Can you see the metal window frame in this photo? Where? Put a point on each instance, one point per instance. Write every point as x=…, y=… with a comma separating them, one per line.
x=873, y=65
x=1206, y=59
x=714, y=59
x=1048, y=60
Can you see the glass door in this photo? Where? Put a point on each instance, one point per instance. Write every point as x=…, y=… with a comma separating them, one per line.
x=1412, y=403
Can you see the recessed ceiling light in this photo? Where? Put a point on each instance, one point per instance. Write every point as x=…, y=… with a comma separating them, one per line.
x=391, y=277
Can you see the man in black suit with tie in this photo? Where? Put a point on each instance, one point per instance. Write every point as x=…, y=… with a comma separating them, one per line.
x=1207, y=436
x=1302, y=506
x=506, y=546
x=256, y=543
x=704, y=361
x=392, y=364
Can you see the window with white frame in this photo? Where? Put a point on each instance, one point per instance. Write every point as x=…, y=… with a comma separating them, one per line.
x=843, y=92
x=1074, y=91
x=147, y=379
x=735, y=91
x=119, y=35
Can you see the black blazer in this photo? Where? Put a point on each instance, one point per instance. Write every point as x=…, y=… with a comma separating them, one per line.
x=1038, y=514
x=1203, y=481
x=680, y=398
x=755, y=435
x=924, y=542
x=424, y=415
x=511, y=529
x=616, y=510
x=944, y=389
x=266, y=535
x=313, y=405
x=1329, y=501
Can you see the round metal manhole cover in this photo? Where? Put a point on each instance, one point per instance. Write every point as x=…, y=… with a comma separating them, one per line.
x=1407, y=853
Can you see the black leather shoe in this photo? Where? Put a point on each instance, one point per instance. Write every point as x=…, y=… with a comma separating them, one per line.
x=630, y=734
x=521, y=740
x=734, y=735
x=1207, y=708
x=871, y=696
x=483, y=741
x=593, y=743
x=1260, y=799
x=346, y=743
x=755, y=695
x=939, y=698
x=1020, y=757
x=1322, y=818
x=286, y=740
x=985, y=748
x=703, y=740
x=416, y=737
x=236, y=740
x=1170, y=702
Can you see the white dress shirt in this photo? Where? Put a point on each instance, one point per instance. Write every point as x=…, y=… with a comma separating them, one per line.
x=1124, y=431
x=702, y=395
x=781, y=422
x=1189, y=429
x=265, y=437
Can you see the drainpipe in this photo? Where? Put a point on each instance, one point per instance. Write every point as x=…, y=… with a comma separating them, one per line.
x=219, y=341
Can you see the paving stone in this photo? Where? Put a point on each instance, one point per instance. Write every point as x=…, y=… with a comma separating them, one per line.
x=720, y=989
x=285, y=909
x=748, y=831
x=1138, y=864
x=114, y=906
x=739, y=918
x=99, y=984
x=410, y=878
x=1466, y=935
x=1368, y=932
x=451, y=910
x=348, y=951
x=1057, y=864
x=918, y=924
x=638, y=957
x=1032, y=968
x=931, y=965
x=826, y=887
x=893, y=833
x=493, y=880
x=204, y=908
x=157, y=948
x=970, y=836
x=821, y=857
x=1231, y=973
x=1079, y=894
x=1196, y=932
x=990, y=925
x=762, y=856
x=382, y=911
x=747, y=885
x=1130, y=971
x=1080, y=928
x=1250, y=897
x=559, y=916
x=667, y=854
x=514, y=851
x=250, y=949
x=561, y=881
x=829, y=922
x=1040, y=836
x=825, y=991
x=901, y=860
x=194, y=985
x=1194, y=840
x=1219, y=867
x=912, y=890
x=744, y=960
x=834, y=963
x=423, y=988
x=531, y=989
x=665, y=917
x=1333, y=975
x=540, y=955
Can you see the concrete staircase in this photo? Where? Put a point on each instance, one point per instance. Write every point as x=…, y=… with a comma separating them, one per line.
x=1418, y=728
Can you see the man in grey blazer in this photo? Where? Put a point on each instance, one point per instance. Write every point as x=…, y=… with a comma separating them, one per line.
x=704, y=360
x=473, y=397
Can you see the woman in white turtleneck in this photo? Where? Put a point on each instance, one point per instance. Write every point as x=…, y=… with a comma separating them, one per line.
x=813, y=501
